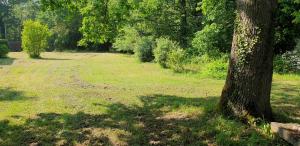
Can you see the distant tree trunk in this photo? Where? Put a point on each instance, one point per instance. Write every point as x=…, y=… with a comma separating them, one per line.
x=183, y=23
x=5, y=31
x=2, y=34
x=248, y=84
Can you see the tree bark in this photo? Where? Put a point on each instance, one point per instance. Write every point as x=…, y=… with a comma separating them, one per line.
x=5, y=31
x=248, y=84
x=2, y=31
x=183, y=23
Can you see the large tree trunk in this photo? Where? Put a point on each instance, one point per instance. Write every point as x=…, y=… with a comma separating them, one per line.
x=248, y=84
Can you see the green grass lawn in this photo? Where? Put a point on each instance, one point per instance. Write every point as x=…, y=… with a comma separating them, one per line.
x=111, y=99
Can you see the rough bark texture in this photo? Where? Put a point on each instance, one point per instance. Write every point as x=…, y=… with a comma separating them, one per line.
x=248, y=84
x=2, y=29
x=183, y=23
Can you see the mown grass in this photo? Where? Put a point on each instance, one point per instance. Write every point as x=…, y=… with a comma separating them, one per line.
x=111, y=99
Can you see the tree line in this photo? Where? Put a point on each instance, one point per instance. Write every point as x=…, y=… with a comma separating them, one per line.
x=197, y=25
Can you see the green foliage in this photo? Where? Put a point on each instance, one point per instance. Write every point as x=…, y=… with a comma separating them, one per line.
x=63, y=23
x=206, y=41
x=18, y=12
x=162, y=49
x=3, y=48
x=221, y=12
x=3, y=41
x=173, y=19
x=216, y=35
x=176, y=60
x=218, y=11
x=215, y=69
x=127, y=41
x=144, y=49
x=287, y=26
x=101, y=20
x=131, y=42
x=296, y=12
x=246, y=41
x=288, y=62
x=34, y=38
x=64, y=26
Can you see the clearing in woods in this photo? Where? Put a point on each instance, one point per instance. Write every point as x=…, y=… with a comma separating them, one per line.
x=111, y=99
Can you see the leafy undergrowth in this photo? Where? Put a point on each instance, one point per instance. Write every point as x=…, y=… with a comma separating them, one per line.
x=111, y=99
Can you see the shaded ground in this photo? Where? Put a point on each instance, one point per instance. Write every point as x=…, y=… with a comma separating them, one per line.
x=111, y=99
x=286, y=101
x=157, y=122
x=6, y=61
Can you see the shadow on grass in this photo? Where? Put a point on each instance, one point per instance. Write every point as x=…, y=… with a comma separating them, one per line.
x=6, y=61
x=53, y=59
x=8, y=94
x=286, y=102
x=161, y=120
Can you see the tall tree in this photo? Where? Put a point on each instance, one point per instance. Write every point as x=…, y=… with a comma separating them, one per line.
x=248, y=84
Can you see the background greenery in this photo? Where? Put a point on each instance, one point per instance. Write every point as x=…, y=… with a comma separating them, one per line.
x=202, y=28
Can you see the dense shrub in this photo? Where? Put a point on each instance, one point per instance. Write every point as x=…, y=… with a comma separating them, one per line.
x=176, y=60
x=34, y=38
x=215, y=68
x=288, y=62
x=3, y=41
x=162, y=49
x=3, y=48
x=127, y=41
x=144, y=49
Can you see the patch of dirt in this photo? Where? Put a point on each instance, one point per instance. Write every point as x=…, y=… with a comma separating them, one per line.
x=176, y=116
x=76, y=81
x=101, y=136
